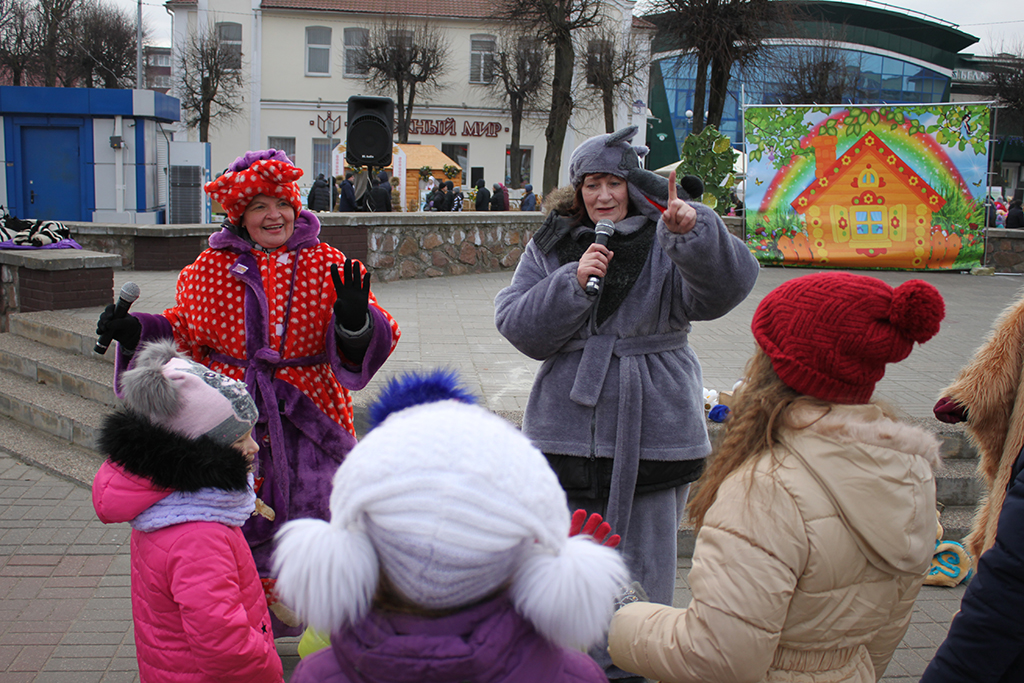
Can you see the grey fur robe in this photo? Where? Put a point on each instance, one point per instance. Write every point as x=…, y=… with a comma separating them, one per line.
x=630, y=388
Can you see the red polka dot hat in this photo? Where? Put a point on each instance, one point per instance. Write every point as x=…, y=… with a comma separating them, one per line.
x=274, y=177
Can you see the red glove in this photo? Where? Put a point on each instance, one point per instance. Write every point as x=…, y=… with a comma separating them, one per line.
x=949, y=411
x=595, y=527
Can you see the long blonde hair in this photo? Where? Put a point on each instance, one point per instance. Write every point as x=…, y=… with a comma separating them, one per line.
x=762, y=408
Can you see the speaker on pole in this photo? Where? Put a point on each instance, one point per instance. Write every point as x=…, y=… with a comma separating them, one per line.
x=368, y=140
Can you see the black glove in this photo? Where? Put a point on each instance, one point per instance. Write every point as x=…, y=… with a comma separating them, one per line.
x=353, y=302
x=127, y=330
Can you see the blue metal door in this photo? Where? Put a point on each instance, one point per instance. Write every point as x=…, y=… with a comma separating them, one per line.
x=52, y=176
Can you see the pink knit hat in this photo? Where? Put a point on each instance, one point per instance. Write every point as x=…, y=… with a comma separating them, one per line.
x=185, y=397
x=830, y=335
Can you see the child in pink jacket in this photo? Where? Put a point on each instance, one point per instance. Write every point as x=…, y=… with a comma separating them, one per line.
x=179, y=472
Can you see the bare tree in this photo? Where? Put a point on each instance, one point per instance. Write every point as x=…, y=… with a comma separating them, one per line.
x=519, y=81
x=614, y=64
x=718, y=34
x=209, y=81
x=819, y=74
x=1007, y=80
x=405, y=60
x=103, y=39
x=19, y=40
x=555, y=22
x=53, y=47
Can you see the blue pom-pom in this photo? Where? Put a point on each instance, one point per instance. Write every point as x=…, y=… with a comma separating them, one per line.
x=718, y=413
x=415, y=388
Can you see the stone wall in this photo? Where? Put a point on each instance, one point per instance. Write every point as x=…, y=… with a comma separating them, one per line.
x=51, y=279
x=1004, y=250
x=404, y=246
x=395, y=246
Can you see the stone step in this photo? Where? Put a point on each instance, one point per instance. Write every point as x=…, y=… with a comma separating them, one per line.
x=49, y=410
x=956, y=522
x=957, y=483
x=53, y=454
x=60, y=331
x=953, y=438
x=74, y=374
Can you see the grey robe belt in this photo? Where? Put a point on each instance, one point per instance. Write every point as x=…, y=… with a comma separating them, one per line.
x=586, y=389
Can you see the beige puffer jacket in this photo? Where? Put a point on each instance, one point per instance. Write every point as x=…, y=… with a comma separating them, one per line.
x=805, y=574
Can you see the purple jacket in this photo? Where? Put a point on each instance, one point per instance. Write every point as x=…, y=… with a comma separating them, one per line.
x=488, y=643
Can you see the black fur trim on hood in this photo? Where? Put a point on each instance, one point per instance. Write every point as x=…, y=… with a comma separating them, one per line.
x=169, y=459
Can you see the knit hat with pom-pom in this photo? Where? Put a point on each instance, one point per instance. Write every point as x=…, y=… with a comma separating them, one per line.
x=830, y=335
x=188, y=398
x=267, y=172
x=452, y=503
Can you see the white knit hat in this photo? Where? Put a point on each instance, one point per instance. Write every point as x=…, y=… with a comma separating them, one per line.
x=453, y=503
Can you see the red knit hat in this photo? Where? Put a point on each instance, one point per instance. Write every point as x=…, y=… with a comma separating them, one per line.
x=829, y=335
x=271, y=177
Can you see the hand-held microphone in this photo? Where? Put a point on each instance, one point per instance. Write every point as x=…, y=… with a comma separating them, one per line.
x=129, y=293
x=605, y=229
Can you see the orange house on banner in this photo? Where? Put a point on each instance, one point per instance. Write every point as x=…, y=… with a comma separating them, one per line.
x=869, y=208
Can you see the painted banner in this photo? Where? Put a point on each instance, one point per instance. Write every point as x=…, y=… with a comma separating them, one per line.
x=876, y=186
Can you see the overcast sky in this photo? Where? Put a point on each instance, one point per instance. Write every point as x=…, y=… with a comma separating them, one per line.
x=998, y=23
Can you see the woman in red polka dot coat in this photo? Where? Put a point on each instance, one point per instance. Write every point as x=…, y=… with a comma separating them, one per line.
x=267, y=303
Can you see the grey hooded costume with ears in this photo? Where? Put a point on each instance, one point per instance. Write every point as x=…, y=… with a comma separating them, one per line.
x=618, y=404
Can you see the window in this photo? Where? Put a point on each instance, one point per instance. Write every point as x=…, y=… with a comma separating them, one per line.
x=524, y=167
x=318, y=51
x=286, y=145
x=401, y=39
x=161, y=81
x=230, y=37
x=159, y=59
x=869, y=222
x=322, y=156
x=457, y=153
x=355, y=48
x=481, y=58
x=599, y=61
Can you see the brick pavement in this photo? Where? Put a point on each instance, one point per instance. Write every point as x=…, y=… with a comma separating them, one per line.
x=65, y=612
x=65, y=607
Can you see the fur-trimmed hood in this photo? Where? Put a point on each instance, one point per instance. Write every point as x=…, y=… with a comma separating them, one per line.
x=168, y=459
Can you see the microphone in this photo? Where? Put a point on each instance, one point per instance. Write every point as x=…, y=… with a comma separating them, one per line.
x=605, y=229
x=129, y=293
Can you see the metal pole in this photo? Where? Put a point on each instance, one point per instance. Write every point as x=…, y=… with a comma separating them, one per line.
x=139, y=82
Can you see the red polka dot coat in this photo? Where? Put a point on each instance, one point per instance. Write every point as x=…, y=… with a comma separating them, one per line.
x=268, y=319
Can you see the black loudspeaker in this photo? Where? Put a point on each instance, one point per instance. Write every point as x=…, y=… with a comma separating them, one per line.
x=368, y=139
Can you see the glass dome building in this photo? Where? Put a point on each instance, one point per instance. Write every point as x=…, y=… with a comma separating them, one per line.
x=883, y=56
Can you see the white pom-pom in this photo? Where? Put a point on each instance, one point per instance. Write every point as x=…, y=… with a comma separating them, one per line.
x=570, y=597
x=327, y=575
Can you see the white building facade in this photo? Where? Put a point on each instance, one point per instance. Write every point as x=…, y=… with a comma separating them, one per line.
x=300, y=66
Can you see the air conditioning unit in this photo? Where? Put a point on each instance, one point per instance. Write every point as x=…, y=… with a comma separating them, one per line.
x=188, y=170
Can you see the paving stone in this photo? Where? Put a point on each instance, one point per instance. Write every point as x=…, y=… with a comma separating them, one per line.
x=445, y=321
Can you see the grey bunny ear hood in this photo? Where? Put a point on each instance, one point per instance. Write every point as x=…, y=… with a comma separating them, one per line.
x=612, y=153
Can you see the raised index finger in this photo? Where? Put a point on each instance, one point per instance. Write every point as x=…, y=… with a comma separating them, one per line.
x=672, y=185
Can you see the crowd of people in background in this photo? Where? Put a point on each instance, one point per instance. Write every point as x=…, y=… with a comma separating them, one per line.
x=1000, y=213
x=361, y=192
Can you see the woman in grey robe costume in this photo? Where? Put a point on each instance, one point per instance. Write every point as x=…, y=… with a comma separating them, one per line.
x=617, y=405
